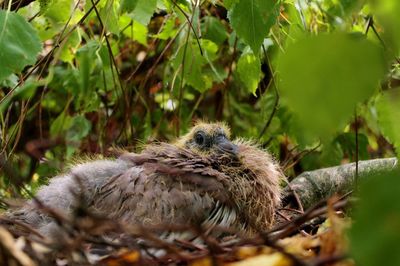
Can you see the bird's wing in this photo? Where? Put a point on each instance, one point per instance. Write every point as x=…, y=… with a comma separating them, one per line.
x=167, y=190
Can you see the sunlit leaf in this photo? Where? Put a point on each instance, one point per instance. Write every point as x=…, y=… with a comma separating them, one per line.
x=69, y=47
x=168, y=30
x=140, y=33
x=59, y=10
x=249, y=70
x=109, y=16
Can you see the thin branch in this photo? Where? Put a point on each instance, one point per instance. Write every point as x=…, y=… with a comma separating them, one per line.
x=190, y=21
x=275, y=108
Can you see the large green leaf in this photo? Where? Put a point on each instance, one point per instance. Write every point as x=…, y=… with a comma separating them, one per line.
x=323, y=78
x=388, y=106
x=375, y=233
x=19, y=44
x=252, y=20
x=249, y=70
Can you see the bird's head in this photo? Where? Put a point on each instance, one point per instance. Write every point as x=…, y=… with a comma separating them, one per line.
x=207, y=138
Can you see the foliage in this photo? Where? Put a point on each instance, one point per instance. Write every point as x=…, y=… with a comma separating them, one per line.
x=316, y=82
x=379, y=218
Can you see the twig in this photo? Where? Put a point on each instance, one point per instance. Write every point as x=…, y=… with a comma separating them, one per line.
x=190, y=21
x=275, y=108
x=286, y=229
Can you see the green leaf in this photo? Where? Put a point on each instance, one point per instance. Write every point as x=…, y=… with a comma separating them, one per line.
x=229, y=3
x=144, y=11
x=60, y=124
x=78, y=129
x=375, y=233
x=168, y=30
x=213, y=29
x=323, y=78
x=59, y=10
x=87, y=57
x=140, y=33
x=387, y=12
x=252, y=20
x=388, y=107
x=128, y=5
x=136, y=31
x=69, y=47
x=249, y=70
x=19, y=44
x=347, y=142
x=194, y=62
x=110, y=17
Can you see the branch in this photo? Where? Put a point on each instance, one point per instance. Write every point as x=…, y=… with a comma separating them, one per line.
x=314, y=186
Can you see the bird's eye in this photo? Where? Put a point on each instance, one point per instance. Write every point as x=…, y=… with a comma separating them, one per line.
x=200, y=138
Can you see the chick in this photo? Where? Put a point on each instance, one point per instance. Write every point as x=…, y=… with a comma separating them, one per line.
x=202, y=178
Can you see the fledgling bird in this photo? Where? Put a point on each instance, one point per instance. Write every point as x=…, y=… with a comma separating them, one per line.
x=203, y=178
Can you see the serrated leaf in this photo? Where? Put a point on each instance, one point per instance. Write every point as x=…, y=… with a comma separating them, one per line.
x=19, y=44
x=252, y=20
x=323, y=78
x=249, y=70
x=388, y=107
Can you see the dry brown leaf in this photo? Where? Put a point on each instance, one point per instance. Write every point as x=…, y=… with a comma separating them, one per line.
x=276, y=259
x=332, y=234
x=302, y=246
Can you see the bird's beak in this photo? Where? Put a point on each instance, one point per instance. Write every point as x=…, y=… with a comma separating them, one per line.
x=226, y=145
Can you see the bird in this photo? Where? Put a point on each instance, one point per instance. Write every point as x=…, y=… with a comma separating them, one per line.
x=202, y=178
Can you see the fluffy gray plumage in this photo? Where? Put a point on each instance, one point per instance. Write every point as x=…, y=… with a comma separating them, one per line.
x=228, y=184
